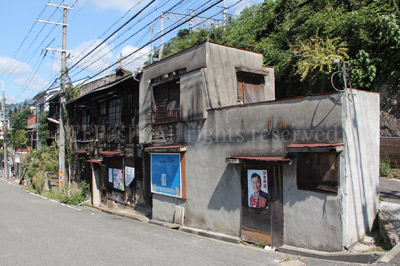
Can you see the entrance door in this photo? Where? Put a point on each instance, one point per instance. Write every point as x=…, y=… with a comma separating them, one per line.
x=262, y=208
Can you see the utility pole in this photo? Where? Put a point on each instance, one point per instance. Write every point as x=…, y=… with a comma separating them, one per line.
x=191, y=12
x=224, y=15
x=152, y=42
x=160, y=52
x=61, y=140
x=180, y=17
x=5, y=133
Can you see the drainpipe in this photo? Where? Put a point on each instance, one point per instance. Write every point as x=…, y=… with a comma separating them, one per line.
x=134, y=75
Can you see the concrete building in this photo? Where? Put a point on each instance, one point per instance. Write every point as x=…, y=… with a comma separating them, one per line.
x=210, y=128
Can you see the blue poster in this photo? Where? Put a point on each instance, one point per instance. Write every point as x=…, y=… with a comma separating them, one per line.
x=166, y=174
x=110, y=175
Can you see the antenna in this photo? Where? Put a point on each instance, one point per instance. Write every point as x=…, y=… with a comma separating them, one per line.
x=344, y=74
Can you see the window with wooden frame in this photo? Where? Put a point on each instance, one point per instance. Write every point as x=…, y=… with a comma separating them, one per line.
x=114, y=112
x=318, y=171
x=103, y=108
x=250, y=87
x=166, y=102
x=85, y=116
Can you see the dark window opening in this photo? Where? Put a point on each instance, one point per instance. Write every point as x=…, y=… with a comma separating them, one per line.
x=250, y=87
x=318, y=172
x=85, y=116
x=114, y=112
x=103, y=109
x=166, y=103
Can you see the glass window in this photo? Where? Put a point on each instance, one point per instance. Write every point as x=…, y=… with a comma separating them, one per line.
x=318, y=171
x=114, y=112
x=103, y=109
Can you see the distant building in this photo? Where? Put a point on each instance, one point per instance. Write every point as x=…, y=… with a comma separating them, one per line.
x=42, y=103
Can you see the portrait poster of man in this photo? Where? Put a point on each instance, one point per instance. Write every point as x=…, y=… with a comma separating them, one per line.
x=257, y=181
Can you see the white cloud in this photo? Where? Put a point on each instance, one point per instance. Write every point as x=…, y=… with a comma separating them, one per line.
x=95, y=62
x=12, y=99
x=120, y=5
x=9, y=66
x=136, y=60
x=36, y=83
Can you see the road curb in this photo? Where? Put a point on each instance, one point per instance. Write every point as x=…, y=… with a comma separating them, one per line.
x=218, y=236
x=165, y=224
x=391, y=254
x=136, y=217
x=360, y=258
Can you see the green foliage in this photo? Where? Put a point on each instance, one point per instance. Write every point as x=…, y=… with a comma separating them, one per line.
x=381, y=243
x=19, y=139
x=302, y=38
x=77, y=197
x=319, y=55
x=74, y=199
x=85, y=188
x=38, y=181
x=71, y=92
x=41, y=161
x=384, y=167
x=43, y=129
x=18, y=120
x=51, y=194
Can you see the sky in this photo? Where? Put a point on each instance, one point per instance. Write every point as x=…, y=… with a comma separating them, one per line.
x=27, y=68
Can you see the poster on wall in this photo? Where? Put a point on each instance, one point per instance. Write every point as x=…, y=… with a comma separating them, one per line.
x=110, y=175
x=118, y=179
x=129, y=175
x=257, y=182
x=166, y=174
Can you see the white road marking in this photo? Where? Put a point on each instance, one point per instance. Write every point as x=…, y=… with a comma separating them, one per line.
x=40, y=196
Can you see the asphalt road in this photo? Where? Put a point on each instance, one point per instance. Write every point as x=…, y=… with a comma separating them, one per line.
x=38, y=231
x=390, y=189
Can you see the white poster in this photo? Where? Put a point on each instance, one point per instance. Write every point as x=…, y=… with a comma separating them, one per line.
x=129, y=175
x=257, y=183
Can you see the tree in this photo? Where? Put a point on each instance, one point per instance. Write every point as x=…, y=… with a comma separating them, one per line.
x=43, y=129
x=18, y=120
x=301, y=39
x=19, y=139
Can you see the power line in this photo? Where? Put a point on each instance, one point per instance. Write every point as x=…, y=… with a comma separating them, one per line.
x=180, y=24
x=133, y=17
x=22, y=58
x=23, y=41
x=126, y=23
x=168, y=31
x=126, y=39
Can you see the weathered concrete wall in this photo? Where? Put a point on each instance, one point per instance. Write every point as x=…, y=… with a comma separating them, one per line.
x=263, y=129
x=221, y=77
x=210, y=83
x=192, y=97
x=360, y=177
x=311, y=220
x=191, y=59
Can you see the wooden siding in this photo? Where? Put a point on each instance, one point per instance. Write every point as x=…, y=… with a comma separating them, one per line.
x=390, y=148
